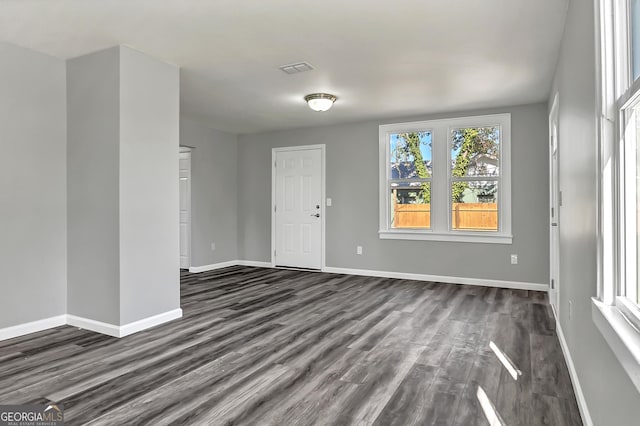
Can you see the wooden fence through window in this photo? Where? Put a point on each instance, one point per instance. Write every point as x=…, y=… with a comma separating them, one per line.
x=472, y=216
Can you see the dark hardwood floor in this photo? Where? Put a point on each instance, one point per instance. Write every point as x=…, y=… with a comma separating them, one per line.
x=277, y=347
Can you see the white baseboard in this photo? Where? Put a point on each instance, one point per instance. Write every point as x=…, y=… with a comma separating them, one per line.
x=143, y=324
x=439, y=278
x=123, y=330
x=89, y=324
x=386, y=274
x=32, y=327
x=255, y=263
x=93, y=325
x=582, y=402
x=213, y=266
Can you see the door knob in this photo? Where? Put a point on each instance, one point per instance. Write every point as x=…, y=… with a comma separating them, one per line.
x=316, y=215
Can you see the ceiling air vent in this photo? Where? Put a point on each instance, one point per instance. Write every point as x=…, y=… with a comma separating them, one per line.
x=296, y=68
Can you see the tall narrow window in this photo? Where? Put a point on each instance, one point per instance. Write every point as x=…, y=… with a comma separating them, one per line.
x=616, y=311
x=631, y=169
x=631, y=201
x=410, y=183
x=634, y=8
x=475, y=175
x=623, y=69
x=619, y=168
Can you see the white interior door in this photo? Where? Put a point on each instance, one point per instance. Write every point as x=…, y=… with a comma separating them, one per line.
x=185, y=208
x=554, y=214
x=298, y=209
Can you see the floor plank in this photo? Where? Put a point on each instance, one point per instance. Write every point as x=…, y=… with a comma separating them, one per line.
x=281, y=347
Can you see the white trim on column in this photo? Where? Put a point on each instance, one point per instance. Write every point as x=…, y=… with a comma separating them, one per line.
x=143, y=324
x=32, y=327
x=89, y=324
x=93, y=325
x=517, y=285
x=123, y=330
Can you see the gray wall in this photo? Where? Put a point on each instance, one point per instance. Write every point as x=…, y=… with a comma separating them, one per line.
x=93, y=126
x=149, y=233
x=352, y=183
x=32, y=186
x=214, y=189
x=611, y=397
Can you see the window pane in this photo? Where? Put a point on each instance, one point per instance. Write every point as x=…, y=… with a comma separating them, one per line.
x=631, y=204
x=411, y=205
x=633, y=198
x=636, y=293
x=635, y=38
x=474, y=205
x=410, y=155
x=475, y=151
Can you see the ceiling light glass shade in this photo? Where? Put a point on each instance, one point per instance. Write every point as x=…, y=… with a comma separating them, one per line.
x=320, y=101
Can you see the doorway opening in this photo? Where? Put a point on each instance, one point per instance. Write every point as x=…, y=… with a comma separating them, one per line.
x=555, y=202
x=184, y=165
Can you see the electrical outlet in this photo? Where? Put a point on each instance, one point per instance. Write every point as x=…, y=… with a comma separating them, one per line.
x=514, y=259
x=359, y=250
x=213, y=246
x=570, y=308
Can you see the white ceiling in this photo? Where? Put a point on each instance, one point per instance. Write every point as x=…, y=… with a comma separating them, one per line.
x=383, y=59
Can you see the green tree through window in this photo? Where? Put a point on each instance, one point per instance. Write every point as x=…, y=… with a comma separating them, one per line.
x=469, y=143
x=410, y=148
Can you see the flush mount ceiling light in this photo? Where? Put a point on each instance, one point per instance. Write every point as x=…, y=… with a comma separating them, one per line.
x=320, y=101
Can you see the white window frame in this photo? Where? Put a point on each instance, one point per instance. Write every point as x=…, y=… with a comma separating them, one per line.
x=441, y=181
x=617, y=317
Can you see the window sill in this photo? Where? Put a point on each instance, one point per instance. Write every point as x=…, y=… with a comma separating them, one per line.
x=463, y=237
x=621, y=336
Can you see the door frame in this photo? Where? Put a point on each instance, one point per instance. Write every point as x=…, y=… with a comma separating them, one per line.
x=323, y=196
x=554, y=186
x=189, y=151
